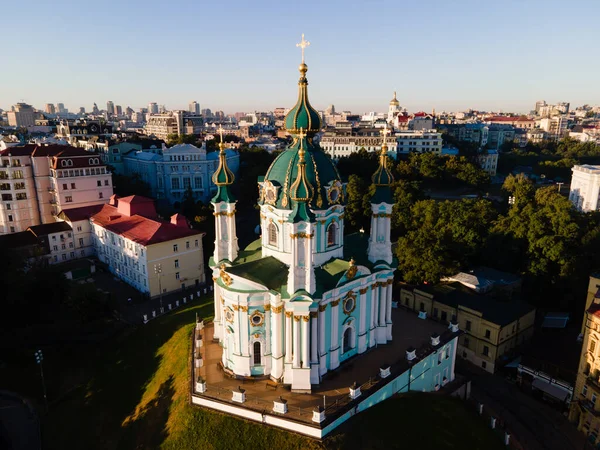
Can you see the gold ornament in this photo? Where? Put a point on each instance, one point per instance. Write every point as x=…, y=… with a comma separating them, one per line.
x=351, y=273
x=225, y=276
x=306, y=318
x=323, y=308
x=335, y=303
x=296, y=318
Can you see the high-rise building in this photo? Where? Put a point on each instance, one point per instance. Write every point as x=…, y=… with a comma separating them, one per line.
x=22, y=115
x=119, y=110
x=153, y=108
x=95, y=109
x=61, y=108
x=110, y=108
x=194, y=107
x=207, y=113
x=81, y=110
x=50, y=109
x=585, y=187
x=129, y=111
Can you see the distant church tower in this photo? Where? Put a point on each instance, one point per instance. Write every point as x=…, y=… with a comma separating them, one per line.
x=394, y=109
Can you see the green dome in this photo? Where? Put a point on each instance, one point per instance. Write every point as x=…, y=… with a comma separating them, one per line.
x=320, y=175
x=383, y=179
x=303, y=115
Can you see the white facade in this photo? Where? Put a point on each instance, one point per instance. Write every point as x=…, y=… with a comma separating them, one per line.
x=585, y=187
x=345, y=145
x=18, y=210
x=419, y=141
x=489, y=161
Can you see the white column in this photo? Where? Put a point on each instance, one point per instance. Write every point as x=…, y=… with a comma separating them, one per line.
x=372, y=322
x=288, y=336
x=388, y=315
x=218, y=310
x=314, y=330
x=244, y=333
x=322, y=350
x=268, y=343
x=305, y=342
x=335, y=340
x=362, y=327
x=296, y=349
x=276, y=346
x=382, y=303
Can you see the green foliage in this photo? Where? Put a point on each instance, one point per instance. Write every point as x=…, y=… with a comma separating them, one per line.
x=130, y=185
x=355, y=214
x=174, y=139
x=442, y=238
x=254, y=162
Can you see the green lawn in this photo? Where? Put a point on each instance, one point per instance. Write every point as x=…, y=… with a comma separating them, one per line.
x=132, y=393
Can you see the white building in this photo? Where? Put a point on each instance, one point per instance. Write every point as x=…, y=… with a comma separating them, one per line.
x=393, y=109
x=22, y=115
x=488, y=160
x=419, y=141
x=340, y=144
x=151, y=255
x=585, y=187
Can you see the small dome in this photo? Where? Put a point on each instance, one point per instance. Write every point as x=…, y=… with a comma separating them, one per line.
x=394, y=101
x=303, y=115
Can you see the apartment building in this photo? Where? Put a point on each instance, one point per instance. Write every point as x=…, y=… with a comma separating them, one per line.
x=75, y=130
x=346, y=140
x=22, y=115
x=418, y=141
x=494, y=325
x=57, y=241
x=173, y=122
x=585, y=407
x=151, y=255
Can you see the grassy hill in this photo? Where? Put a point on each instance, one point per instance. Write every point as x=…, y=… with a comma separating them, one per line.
x=133, y=394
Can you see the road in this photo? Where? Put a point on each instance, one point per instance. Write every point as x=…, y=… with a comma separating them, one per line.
x=19, y=429
x=536, y=424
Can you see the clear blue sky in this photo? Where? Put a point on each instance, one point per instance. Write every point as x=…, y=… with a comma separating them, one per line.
x=241, y=55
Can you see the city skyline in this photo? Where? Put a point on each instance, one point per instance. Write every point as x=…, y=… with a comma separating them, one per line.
x=440, y=56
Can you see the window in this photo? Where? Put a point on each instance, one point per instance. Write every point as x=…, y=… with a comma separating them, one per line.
x=10, y=218
x=466, y=342
x=63, y=246
x=594, y=398
x=584, y=390
x=18, y=174
x=55, y=258
x=175, y=183
x=68, y=199
x=79, y=228
x=55, y=248
x=592, y=346
x=488, y=334
x=186, y=183
x=72, y=185
x=197, y=183
x=175, y=247
x=70, y=245
x=196, y=243
x=19, y=185
x=177, y=275
x=187, y=244
x=331, y=235
x=21, y=196
x=257, y=355
x=272, y=234
x=422, y=307
x=7, y=197
x=177, y=264
x=100, y=195
x=483, y=364
x=65, y=186
x=8, y=206
x=99, y=183
x=81, y=242
x=64, y=256
x=468, y=325
x=72, y=255
x=486, y=350
x=444, y=316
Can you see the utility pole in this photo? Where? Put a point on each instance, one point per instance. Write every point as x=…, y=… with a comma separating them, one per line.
x=39, y=358
x=559, y=185
x=158, y=272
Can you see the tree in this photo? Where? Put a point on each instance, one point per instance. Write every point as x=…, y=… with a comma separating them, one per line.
x=174, y=139
x=520, y=188
x=125, y=185
x=443, y=238
x=356, y=191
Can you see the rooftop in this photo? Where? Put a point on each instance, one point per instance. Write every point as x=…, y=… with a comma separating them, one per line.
x=17, y=240
x=81, y=213
x=483, y=279
x=49, y=228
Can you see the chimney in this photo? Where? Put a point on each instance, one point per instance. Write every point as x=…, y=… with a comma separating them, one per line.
x=113, y=200
x=179, y=220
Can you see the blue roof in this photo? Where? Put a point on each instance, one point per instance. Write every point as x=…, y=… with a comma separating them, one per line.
x=145, y=156
x=215, y=155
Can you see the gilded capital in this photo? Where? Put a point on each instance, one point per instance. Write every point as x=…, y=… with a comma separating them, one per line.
x=306, y=318
x=277, y=309
x=296, y=318
x=363, y=291
x=335, y=303
x=323, y=308
x=288, y=314
x=268, y=307
x=314, y=314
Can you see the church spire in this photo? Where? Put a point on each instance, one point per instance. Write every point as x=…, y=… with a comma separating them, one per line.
x=223, y=176
x=303, y=115
x=383, y=176
x=301, y=191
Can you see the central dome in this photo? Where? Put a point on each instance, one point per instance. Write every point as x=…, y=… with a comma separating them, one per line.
x=321, y=174
x=303, y=115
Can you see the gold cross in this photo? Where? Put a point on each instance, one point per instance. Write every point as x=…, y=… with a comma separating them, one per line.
x=303, y=44
x=385, y=132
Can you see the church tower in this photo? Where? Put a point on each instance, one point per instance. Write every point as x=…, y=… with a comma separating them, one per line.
x=226, y=244
x=394, y=109
x=380, y=244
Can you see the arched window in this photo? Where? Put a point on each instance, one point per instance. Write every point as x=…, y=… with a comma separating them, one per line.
x=257, y=356
x=347, y=340
x=272, y=234
x=331, y=235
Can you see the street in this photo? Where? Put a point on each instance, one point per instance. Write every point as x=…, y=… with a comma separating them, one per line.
x=535, y=424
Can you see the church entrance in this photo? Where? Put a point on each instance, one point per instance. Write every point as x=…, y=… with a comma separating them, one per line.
x=348, y=335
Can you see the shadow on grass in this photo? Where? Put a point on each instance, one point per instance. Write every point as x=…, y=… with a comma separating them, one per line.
x=149, y=429
x=118, y=373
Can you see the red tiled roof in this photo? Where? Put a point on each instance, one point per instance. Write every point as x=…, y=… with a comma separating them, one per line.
x=402, y=118
x=79, y=158
x=19, y=150
x=135, y=199
x=50, y=150
x=138, y=228
x=81, y=213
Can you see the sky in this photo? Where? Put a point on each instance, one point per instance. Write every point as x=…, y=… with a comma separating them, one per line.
x=242, y=56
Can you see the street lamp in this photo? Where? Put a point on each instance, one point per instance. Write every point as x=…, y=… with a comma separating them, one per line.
x=158, y=272
x=39, y=358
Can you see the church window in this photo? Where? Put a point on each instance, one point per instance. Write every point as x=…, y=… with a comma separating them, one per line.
x=331, y=235
x=257, y=356
x=347, y=340
x=272, y=234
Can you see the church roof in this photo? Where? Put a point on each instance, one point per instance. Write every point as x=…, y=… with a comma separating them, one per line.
x=268, y=271
x=303, y=115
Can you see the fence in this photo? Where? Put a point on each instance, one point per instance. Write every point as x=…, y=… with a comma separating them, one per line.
x=173, y=305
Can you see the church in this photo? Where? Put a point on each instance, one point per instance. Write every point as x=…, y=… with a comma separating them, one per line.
x=305, y=297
